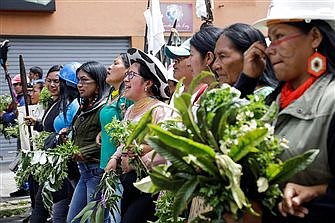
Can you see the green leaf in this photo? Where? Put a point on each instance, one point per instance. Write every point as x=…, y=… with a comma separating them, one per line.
x=183, y=196
x=197, y=80
x=86, y=209
x=247, y=143
x=141, y=128
x=294, y=165
x=164, y=181
x=175, y=156
x=270, y=113
x=186, y=145
x=205, y=129
x=86, y=216
x=205, y=155
x=99, y=215
x=223, y=118
x=145, y=185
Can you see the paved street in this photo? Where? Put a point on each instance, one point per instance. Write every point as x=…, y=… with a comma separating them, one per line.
x=7, y=182
x=7, y=185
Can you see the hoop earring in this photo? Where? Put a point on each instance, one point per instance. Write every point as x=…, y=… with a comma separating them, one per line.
x=317, y=64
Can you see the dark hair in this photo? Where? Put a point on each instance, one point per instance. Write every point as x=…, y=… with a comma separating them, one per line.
x=67, y=95
x=125, y=60
x=37, y=70
x=205, y=39
x=97, y=72
x=242, y=37
x=54, y=68
x=39, y=84
x=126, y=63
x=327, y=45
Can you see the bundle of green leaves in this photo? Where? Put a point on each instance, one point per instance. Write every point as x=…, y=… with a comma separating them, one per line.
x=164, y=212
x=5, y=101
x=109, y=199
x=11, y=130
x=130, y=138
x=48, y=167
x=225, y=152
x=45, y=97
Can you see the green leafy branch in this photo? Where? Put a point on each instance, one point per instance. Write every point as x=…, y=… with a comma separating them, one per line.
x=131, y=136
x=109, y=200
x=45, y=97
x=48, y=167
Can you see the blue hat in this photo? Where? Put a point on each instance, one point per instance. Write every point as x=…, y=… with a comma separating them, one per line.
x=178, y=51
x=68, y=74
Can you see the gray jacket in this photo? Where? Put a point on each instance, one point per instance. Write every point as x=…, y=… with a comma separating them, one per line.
x=305, y=123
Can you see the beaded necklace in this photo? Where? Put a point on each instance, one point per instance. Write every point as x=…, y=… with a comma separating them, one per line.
x=140, y=106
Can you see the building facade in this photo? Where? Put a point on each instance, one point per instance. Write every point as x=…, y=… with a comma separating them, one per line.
x=62, y=31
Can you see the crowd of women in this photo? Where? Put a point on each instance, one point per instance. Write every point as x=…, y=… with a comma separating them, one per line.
x=296, y=70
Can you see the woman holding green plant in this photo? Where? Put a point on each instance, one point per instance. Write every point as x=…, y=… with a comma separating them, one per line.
x=302, y=52
x=146, y=85
x=61, y=117
x=40, y=213
x=86, y=126
x=115, y=107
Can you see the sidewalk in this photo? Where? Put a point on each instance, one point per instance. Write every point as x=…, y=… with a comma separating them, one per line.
x=11, y=209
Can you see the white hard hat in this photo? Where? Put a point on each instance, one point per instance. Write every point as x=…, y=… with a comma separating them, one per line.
x=299, y=10
x=178, y=51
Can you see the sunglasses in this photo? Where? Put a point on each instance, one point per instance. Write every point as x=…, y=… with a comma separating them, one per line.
x=131, y=74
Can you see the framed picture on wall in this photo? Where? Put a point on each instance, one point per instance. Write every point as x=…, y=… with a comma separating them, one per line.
x=28, y=5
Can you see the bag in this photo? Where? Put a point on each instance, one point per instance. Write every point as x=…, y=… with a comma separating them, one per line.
x=51, y=141
x=15, y=163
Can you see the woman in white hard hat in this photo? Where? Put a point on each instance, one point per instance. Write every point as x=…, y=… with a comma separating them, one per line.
x=302, y=52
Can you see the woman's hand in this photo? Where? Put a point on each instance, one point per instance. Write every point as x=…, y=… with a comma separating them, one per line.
x=254, y=61
x=63, y=135
x=296, y=195
x=78, y=157
x=112, y=164
x=30, y=120
x=126, y=167
x=98, y=139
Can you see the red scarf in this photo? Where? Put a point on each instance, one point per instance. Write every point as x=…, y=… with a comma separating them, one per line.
x=288, y=94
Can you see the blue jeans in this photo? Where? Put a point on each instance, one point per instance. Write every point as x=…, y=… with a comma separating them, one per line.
x=90, y=176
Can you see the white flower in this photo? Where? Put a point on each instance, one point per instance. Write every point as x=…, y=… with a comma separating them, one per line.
x=245, y=128
x=270, y=128
x=253, y=124
x=36, y=157
x=240, y=117
x=262, y=184
x=223, y=147
x=43, y=158
x=235, y=92
x=284, y=143
x=249, y=114
x=225, y=85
